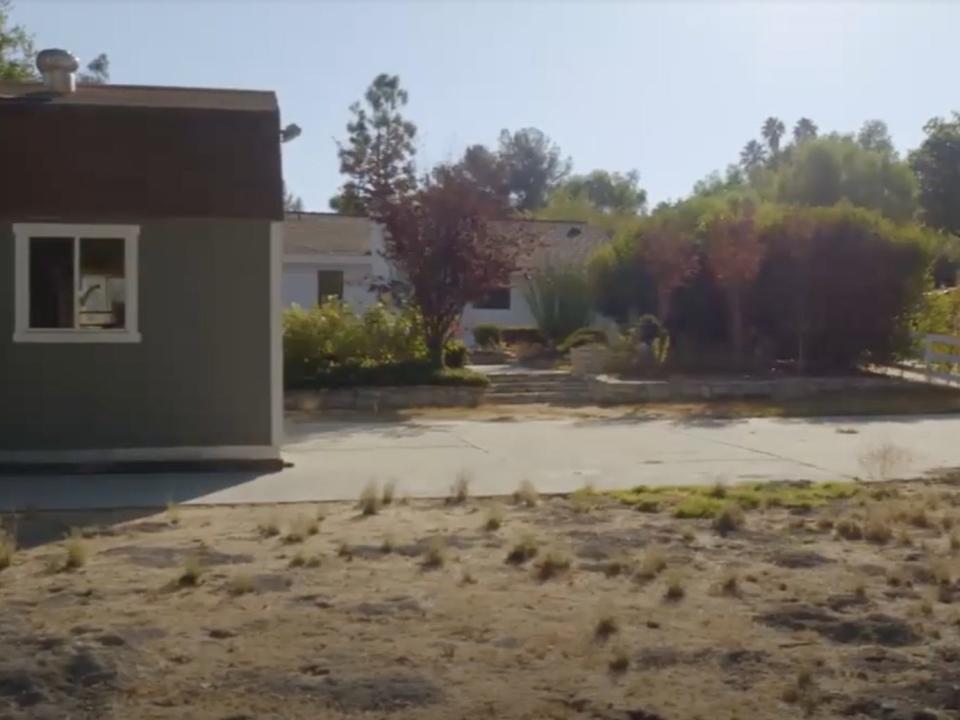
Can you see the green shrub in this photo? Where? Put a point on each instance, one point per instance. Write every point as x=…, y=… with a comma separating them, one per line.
x=583, y=336
x=487, y=336
x=518, y=335
x=560, y=300
x=455, y=354
x=331, y=335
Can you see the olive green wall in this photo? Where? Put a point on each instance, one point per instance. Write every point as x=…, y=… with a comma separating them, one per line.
x=199, y=377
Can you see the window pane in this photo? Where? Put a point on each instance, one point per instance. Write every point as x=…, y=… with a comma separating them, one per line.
x=51, y=282
x=103, y=299
x=329, y=285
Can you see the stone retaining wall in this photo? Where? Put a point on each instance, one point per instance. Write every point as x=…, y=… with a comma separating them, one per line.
x=379, y=398
x=604, y=389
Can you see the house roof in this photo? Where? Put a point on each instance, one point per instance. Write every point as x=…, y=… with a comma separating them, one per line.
x=141, y=96
x=326, y=234
x=118, y=152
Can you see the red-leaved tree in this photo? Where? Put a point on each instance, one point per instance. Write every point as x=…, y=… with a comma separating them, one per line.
x=443, y=243
x=735, y=251
x=670, y=256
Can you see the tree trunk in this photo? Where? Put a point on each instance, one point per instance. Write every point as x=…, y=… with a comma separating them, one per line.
x=435, y=342
x=736, y=325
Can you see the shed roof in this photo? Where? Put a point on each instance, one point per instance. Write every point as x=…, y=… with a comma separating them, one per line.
x=156, y=96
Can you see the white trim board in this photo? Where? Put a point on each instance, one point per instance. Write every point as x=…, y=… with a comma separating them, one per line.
x=23, y=333
x=276, y=334
x=164, y=454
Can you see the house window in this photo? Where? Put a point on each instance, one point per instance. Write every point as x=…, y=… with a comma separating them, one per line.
x=329, y=285
x=76, y=283
x=496, y=299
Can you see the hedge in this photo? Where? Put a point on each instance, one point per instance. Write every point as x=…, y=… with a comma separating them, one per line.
x=409, y=373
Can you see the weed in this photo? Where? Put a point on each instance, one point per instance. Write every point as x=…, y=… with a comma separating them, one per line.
x=389, y=492
x=494, y=518
x=238, y=585
x=917, y=516
x=884, y=462
x=298, y=560
x=688, y=535
x=652, y=564
x=877, y=528
x=730, y=583
x=849, y=529
x=300, y=529
x=369, y=502
x=526, y=494
x=436, y=553
x=903, y=538
x=606, y=626
x=192, y=570
x=718, y=490
x=8, y=546
x=925, y=608
x=616, y=567
x=345, y=551
x=77, y=550
x=675, y=589
x=584, y=500
x=387, y=544
x=525, y=549
x=460, y=490
x=619, y=662
x=173, y=513
x=466, y=578
x=551, y=565
x=729, y=519
x=270, y=528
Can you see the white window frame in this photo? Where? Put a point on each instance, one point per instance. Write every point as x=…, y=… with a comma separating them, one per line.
x=23, y=333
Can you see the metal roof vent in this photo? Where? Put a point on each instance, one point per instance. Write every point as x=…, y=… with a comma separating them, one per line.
x=58, y=68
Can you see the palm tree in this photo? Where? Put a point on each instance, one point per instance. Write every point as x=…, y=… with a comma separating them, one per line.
x=773, y=129
x=753, y=155
x=805, y=129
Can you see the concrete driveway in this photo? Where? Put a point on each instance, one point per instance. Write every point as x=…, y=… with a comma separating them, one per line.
x=334, y=460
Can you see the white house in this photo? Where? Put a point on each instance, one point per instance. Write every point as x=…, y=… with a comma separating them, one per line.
x=328, y=255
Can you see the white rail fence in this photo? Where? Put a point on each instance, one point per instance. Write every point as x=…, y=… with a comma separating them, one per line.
x=941, y=358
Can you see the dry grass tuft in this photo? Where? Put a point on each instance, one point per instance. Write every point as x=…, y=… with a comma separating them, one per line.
x=389, y=492
x=525, y=549
x=387, y=544
x=585, y=500
x=884, y=462
x=301, y=559
x=460, y=490
x=270, y=528
x=551, y=565
x=238, y=585
x=173, y=513
x=717, y=490
x=877, y=527
x=606, y=626
x=345, y=551
x=369, y=502
x=77, y=551
x=300, y=529
x=494, y=518
x=8, y=546
x=436, y=553
x=730, y=583
x=652, y=564
x=526, y=495
x=675, y=589
x=192, y=571
x=617, y=566
x=848, y=529
x=730, y=519
x=619, y=662
x=467, y=578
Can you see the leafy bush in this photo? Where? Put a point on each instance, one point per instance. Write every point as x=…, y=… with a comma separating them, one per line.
x=525, y=335
x=487, y=336
x=642, y=350
x=329, y=336
x=560, y=300
x=583, y=336
x=455, y=354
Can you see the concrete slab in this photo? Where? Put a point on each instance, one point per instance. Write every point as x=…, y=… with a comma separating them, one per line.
x=334, y=460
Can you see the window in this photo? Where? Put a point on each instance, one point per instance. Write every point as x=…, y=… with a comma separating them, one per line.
x=76, y=283
x=496, y=299
x=329, y=285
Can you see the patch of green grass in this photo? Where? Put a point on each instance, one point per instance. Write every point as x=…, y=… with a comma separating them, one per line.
x=706, y=501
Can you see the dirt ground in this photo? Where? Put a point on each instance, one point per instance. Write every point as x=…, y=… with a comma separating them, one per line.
x=821, y=604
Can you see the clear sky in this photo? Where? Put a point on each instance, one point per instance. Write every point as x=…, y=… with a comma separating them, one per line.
x=673, y=90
